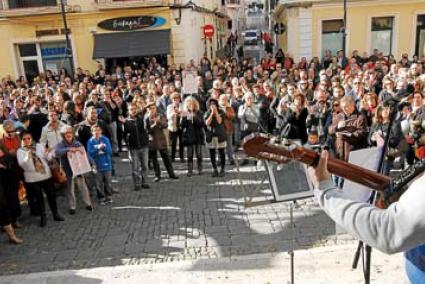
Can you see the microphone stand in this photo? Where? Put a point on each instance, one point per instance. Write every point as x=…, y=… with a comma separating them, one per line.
x=362, y=248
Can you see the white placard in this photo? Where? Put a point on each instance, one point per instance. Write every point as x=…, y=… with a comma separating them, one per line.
x=190, y=82
x=366, y=158
x=79, y=162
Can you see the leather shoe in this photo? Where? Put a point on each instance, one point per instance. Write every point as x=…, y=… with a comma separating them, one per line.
x=89, y=208
x=145, y=185
x=71, y=211
x=174, y=177
x=58, y=218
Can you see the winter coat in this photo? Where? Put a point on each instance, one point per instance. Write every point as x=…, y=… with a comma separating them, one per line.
x=26, y=162
x=135, y=132
x=215, y=129
x=193, y=129
x=101, y=157
x=356, y=134
x=83, y=132
x=157, y=138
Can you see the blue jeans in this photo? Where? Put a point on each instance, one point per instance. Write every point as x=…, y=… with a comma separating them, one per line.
x=139, y=165
x=415, y=275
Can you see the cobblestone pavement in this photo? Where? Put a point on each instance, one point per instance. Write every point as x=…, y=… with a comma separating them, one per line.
x=188, y=219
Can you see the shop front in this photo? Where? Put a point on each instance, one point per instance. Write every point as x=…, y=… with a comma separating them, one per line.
x=132, y=40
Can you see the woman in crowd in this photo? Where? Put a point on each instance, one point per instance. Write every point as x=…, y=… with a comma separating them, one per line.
x=175, y=133
x=38, y=178
x=193, y=124
x=216, y=136
x=9, y=145
x=6, y=211
x=379, y=132
x=229, y=115
x=69, y=145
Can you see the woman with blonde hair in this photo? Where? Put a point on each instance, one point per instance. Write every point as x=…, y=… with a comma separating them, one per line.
x=192, y=125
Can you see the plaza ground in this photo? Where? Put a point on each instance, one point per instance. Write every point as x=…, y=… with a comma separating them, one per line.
x=194, y=230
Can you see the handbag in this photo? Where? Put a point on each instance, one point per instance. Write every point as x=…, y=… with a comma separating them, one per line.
x=58, y=174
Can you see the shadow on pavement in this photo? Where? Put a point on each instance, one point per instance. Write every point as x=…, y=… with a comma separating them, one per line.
x=189, y=219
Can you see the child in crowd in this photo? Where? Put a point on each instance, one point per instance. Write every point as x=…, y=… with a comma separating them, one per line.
x=100, y=150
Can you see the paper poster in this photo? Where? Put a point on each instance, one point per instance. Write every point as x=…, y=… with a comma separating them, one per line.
x=190, y=82
x=365, y=158
x=79, y=162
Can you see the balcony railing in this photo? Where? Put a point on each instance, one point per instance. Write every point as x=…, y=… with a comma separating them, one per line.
x=121, y=4
x=233, y=2
x=19, y=4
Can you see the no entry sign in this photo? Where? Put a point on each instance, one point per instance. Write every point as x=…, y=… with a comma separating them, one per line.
x=208, y=31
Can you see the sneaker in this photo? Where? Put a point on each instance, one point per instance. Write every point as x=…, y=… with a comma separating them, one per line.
x=156, y=179
x=102, y=203
x=108, y=201
x=145, y=185
x=89, y=208
x=114, y=191
x=71, y=211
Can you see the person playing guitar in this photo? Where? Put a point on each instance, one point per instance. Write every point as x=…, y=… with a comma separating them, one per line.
x=398, y=228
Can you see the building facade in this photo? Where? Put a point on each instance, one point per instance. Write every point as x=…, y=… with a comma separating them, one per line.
x=392, y=27
x=110, y=32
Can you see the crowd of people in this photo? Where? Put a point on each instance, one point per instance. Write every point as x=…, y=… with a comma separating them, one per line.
x=339, y=102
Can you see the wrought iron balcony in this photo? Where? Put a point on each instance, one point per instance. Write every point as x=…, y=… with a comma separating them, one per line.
x=19, y=4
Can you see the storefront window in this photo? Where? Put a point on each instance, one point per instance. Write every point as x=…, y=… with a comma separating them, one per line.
x=332, y=36
x=14, y=4
x=40, y=57
x=420, y=36
x=382, y=34
x=54, y=56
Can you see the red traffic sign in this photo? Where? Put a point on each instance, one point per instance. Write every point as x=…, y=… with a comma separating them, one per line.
x=208, y=31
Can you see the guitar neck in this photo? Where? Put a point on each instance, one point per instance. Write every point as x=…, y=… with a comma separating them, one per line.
x=263, y=147
x=344, y=169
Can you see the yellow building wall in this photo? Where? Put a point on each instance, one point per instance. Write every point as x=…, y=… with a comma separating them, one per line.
x=82, y=26
x=359, y=25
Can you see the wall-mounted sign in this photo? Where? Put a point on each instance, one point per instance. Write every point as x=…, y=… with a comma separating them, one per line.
x=208, y=31
x=132, y=23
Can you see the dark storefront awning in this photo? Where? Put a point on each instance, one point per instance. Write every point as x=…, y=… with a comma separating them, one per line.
x=127, y=44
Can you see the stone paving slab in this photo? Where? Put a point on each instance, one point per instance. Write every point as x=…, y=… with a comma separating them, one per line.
x=192, y=218
x=324, y=265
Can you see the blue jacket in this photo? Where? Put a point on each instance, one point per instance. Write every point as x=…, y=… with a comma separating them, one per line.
x=102, y=158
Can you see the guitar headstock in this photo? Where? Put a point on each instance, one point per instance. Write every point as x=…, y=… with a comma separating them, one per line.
x=267, y=147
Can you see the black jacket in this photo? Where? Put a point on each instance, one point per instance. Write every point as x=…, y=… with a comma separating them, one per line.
x=37, y=121
x=193, y=130
x=135, y=132
x=215, y=129
x=83, y=131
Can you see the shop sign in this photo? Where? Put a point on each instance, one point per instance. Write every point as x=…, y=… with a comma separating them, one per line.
x=132, y=23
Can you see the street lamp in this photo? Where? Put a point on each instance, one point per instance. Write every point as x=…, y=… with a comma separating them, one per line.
x=68, y=42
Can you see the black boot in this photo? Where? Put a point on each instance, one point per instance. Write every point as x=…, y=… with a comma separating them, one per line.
x=200, y=166
x=43, y=220
x=189, y=169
